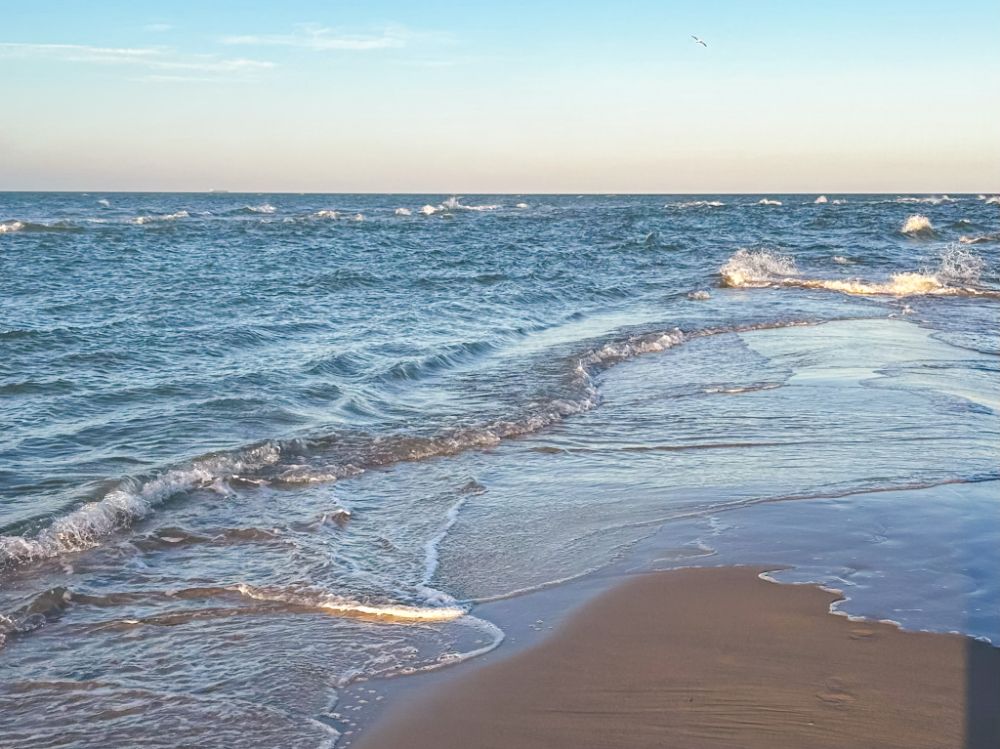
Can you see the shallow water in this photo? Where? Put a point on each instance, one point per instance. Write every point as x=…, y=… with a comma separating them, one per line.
x=256, y=448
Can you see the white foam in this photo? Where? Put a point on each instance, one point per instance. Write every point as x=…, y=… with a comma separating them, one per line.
x=9, y=227
x=821, y=199
x=696, y=204
x=699, y=296
x=917, y=224
x=326, y=214
x=263, y=208
x=995, y=199
x=522, y=205
x=747, y=268
x=403, y=212
x=928, y=201
x=89, y=524
x=766, y=201
x=105, y=202
x=321, y=599
x=841, y=260
x=760, y=268
x=161, y=217
x=429, y=210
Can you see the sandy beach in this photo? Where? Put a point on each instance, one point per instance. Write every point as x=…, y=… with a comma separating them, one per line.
x=715, y=658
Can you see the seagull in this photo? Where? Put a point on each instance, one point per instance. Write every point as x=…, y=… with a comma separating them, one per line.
x=699, y=41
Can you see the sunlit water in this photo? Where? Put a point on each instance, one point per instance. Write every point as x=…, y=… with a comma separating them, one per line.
x=257, y=448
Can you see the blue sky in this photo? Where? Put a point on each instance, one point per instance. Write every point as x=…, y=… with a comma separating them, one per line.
x=501, y=97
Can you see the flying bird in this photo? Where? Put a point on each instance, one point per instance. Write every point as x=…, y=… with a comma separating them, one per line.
x=699, y=41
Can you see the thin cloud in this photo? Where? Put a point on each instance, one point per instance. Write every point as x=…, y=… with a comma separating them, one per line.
x=152, y=58
x=158, y=28
x=322, y=39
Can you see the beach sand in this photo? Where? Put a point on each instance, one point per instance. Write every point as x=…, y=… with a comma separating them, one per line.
x=714, y=658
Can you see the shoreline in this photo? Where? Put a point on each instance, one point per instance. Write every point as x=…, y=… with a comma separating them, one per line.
x=708, y=657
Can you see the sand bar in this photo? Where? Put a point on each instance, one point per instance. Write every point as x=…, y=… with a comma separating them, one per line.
x=714, y=658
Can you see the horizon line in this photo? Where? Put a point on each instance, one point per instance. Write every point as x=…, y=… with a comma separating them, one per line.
x=502, y=192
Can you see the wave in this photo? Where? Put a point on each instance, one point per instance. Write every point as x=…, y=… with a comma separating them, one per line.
x=917, y=224
x=403, y=212
x=252, y=209
x=740, y=389
x=326, y=601
x=13, y=226
x=334, y=457
x=763, y=269
x=699, y=296
x=994, y=199
x=766, y=201
x=160, y=217
x=696, y=204
x=839, y=201
x=104, y=202
x=841, y=260
x=821, y=199
x=326, y=214
x=454, y=204
x=983, y=239
x=927, y=200
x=86, y=526
x=522, y=206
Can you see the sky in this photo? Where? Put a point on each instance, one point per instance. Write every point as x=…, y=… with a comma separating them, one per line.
x=491, y=97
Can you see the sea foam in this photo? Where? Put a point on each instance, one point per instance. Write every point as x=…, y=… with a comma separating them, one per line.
x=917, y=224
x=762, y=268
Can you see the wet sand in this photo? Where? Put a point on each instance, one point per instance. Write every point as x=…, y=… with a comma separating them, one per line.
x=714, y=658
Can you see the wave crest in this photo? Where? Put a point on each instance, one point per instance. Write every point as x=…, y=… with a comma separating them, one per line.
x=747, y=268
x=321, y=599
x=160, y=217
x=917, y=224
x=761, y=268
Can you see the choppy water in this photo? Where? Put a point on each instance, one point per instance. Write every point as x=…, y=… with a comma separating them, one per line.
x=255, y=448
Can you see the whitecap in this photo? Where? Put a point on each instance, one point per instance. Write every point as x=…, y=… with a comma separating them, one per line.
x=403, y=212
x=917, y=224
x=9, y=227
x=161, y=217
x=759, y=269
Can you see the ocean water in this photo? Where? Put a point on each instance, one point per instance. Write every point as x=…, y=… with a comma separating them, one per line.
x=257, y=449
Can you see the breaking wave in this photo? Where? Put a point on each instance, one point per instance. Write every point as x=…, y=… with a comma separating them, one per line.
x=288, y=462
x=984, y=239
x=762, y=269
x=321, y=599
x=454, y=204
x=403, y=212
x=253, y=209
x=766, y=201
x=917, y=224
x=10, y=227
x=696, y=204
x=821, y=199
x=160, y=217
x=932, y=200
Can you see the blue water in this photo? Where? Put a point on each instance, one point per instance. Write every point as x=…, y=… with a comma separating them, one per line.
x=256, y=448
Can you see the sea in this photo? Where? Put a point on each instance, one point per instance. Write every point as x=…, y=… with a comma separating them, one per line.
x=259, y=449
